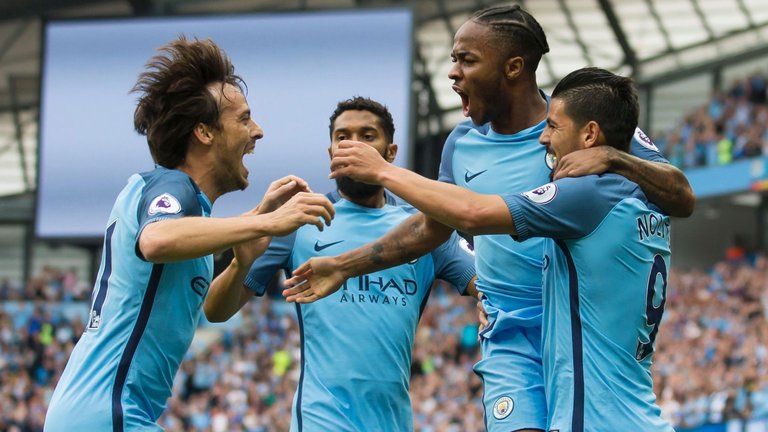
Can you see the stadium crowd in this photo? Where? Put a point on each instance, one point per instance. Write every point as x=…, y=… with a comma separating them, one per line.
x=50, y=284
x=732, y=125
x=711, y=363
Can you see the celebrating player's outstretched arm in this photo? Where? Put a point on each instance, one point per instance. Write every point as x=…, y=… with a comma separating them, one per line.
x=449, y=204
x=227, y=293
x=189, y=237
x=322, y=276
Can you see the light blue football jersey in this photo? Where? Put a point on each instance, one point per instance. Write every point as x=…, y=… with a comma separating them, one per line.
x=605, y=278
x=143, y=316
x=484, y=161
x=356, y=343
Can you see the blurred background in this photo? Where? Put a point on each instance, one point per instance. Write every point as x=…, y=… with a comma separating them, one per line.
x=67, y=147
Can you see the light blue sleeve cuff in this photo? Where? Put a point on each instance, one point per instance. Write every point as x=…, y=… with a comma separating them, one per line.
x=463, y=280
x=252, y=284
x=521, y=224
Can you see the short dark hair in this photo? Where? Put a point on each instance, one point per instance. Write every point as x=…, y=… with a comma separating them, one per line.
x=518, y=30
x=174, y=96
x=600, y=95
x=360, y=103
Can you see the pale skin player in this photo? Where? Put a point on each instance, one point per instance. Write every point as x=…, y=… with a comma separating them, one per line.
x=214, y=161
x=159, y=239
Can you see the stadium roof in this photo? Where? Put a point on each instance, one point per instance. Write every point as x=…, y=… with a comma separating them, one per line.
x=649, y=39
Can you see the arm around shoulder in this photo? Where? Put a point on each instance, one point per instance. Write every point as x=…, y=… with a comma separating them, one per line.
x=664, y=184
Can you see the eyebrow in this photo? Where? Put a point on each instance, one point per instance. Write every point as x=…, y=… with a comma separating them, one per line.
x=364, y=129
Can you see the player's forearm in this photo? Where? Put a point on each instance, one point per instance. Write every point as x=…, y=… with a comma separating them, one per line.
x=471, y=289
x=451, y=205
x=192, y=237
x=663, y=184
x=413, y=238
x=227, y=294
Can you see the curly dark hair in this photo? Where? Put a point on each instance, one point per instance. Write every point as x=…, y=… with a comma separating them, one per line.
x=366, y=104
x=175, y=96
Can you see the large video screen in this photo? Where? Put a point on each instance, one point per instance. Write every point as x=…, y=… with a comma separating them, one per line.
x=297, y=66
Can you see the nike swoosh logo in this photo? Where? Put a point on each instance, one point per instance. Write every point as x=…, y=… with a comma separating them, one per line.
x=319, y=247
x=468, y=178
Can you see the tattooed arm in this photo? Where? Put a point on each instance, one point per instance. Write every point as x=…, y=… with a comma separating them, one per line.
x=663, y=184
x=322, y=276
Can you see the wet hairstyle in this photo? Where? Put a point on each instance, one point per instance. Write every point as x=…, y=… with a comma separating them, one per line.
x=594, y=94
x=174, y=96
x=518, y=30
x=359, y=103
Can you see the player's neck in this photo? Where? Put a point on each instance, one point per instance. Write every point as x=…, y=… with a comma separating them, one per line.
x=203, y=179
x=527, y=109
x=376, y=201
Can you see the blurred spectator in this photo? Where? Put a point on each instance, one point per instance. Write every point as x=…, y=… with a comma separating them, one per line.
x=711, y=364
x=732, y=125
x=51, y=284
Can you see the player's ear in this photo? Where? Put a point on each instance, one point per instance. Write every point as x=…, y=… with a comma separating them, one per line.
x=591, y=134
x=513, y=67
x=330, y=151
x=391, y=152
x=203, y=133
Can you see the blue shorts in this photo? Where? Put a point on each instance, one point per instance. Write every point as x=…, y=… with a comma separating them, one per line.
x=513, y=380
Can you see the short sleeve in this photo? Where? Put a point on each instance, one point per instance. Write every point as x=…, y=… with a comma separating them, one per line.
x=168, y=195
x=265, y=267
x=642, y=147
x=565, y=209
x=454, y=262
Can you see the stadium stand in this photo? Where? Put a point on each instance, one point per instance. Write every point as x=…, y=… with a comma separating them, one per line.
x=711, y=367
x=732, y=125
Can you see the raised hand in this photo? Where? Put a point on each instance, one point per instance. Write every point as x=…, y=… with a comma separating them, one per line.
x=317, y=278
x=359, y=161
x=280, y=191
x=303, y=208
x=593, y=160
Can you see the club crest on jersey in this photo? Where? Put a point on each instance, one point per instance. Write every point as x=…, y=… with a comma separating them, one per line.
x=644, y=140
x=550, y=160
x=542, y=194
x=503, y=407
x=165, y=203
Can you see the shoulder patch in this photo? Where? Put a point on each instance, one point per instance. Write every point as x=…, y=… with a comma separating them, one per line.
x=644, y=140
x=542, y=194
x=165, y=203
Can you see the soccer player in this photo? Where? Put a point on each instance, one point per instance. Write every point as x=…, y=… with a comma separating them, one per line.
x=605, y=267
x=496, y=53
x=157, y=261
x=356, y=344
